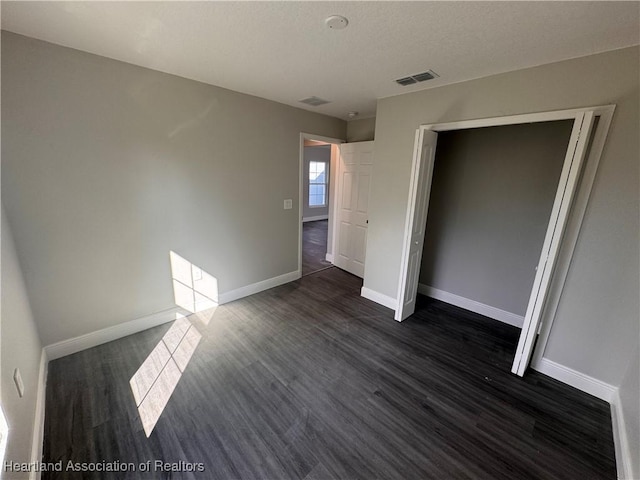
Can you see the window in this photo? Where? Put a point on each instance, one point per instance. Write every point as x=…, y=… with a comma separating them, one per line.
x=317, y=184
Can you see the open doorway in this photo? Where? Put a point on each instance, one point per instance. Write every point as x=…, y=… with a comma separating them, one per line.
x=315, y=206
x=318, y=159
x=590, y=127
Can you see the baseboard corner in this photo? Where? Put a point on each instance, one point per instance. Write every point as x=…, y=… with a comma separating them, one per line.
x=379, y=298
x=579, y=380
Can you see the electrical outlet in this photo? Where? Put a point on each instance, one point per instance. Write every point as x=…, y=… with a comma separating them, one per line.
x=17, y=378
x=288, y=204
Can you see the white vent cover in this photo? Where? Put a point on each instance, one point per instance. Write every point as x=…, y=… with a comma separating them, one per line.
x=314, y=101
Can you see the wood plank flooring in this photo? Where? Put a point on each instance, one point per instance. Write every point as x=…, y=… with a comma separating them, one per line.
x=314, y=246
x=311, y=381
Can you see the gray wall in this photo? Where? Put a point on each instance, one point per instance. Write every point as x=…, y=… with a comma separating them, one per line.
x=108, y=166
x=20, y=348
x=320, y=153
x=595, y=329
x=491, y=198
x=361, y=130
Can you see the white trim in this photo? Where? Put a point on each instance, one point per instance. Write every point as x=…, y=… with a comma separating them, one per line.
x=605, y=392
x=332, y=229
x=38, y=421
x=576, y=379
x=620, y=439
x=257, y=287
x=379, y=298
x=89, y=340
x=472, y=305
x=320, y=138
x=517, y=119
x=316, y=218
x=329, y=257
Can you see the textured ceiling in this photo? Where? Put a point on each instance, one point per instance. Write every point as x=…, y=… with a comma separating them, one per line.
x=283, y=51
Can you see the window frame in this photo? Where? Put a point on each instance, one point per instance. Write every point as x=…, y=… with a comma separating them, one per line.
x=325, y=184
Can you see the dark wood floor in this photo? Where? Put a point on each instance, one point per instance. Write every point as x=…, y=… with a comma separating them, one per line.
x=314, y=246
x=311, y=381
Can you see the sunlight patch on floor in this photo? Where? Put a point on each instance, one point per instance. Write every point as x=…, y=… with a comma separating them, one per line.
x=153, y=384
x=156, y=379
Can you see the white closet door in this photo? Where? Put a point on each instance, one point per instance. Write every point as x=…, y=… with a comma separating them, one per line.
x=423, y=160
x=551, y=246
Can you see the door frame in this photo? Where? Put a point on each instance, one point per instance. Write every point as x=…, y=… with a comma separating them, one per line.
x=301, y=178
x=552, y=290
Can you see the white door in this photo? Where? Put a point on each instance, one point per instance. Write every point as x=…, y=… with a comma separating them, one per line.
x=416, y=222
x=551, y=246
x=354, y=182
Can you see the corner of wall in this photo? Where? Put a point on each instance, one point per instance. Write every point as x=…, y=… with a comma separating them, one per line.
x=361, y=130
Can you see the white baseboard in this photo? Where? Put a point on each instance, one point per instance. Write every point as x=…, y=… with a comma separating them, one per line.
x=242, y=292
x=38, y=421
x=93, y=339
x=378, y=297
x=472, y=305
x=329, y=257
x=576, y=379
x=620, y=440
x=313, y=219
x=605, y=392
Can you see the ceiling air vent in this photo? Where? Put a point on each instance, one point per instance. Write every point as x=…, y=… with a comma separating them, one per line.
x=314, y=101
x=418, y=77
x=406, y=81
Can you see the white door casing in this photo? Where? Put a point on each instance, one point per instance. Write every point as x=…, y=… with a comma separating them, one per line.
x=416, y=222
x=354, y=183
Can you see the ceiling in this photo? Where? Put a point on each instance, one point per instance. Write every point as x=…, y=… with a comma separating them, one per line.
x=283, y=51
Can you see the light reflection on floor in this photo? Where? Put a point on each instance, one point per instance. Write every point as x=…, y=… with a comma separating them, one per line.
x=153, y=384
x=156, y=379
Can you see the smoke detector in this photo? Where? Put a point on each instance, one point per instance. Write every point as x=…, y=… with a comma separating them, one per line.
x=336, y=22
